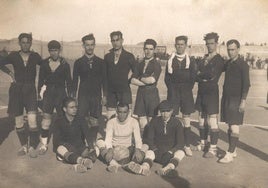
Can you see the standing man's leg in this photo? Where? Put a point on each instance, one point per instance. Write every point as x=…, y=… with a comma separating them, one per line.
x=22, y=133
x=33, y=133
x=46, y=122
x=214, y=136
x=187, y=134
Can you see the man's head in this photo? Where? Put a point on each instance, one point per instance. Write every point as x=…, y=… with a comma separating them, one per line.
x=25, y=42
x=233, y=47
x=89, y=44
x=166, y=109
x=69, y=106
x=149, y=47
x=211, y=41
x=117, y=40
x=54, y=48
x=181, y=44
x=122, y=111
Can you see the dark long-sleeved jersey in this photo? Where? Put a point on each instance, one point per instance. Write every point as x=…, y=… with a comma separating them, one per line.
x=237, y=81
x=61, y=77
x=209, y=72
x=23, y=74
x=180, y=74
x=172, y=140
x=92, y=74
x=73, y=133
x=117, y=74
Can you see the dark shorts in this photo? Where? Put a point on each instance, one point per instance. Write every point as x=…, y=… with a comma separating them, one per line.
x=230, y=110
x=113, y=98
x=207, y=103
x=181, y=96
x=21, y=96
x=147, y=101
x=88, y=105
x=53, y=97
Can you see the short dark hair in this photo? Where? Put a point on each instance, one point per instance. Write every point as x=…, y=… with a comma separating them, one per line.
x=26, y=35
x=88, y=37
x=53, y=44
x=116, y=33
x=150, y=42
x=122, y=105
x=233, y=41
x=66, y=101
x=211, y=35
x=182, y=37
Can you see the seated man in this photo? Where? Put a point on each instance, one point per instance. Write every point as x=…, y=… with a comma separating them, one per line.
x=68, y=139
x=165, y=140
x=117, y=148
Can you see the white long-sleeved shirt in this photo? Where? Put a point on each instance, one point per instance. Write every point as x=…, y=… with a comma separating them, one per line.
x=120, y=133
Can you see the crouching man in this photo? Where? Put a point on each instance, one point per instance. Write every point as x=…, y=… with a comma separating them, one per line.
x=165, y=140
x=117, y=149
x=71, y=141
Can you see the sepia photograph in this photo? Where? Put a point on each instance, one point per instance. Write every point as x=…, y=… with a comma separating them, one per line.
x=134, y=94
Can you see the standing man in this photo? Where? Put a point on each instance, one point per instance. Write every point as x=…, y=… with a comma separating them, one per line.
x=22, y=92
x=69, y=136
x=118, y=149
x=165, y=141
x=180, y=78
x=54, y=76
x=119, y=62
x=91, y=71
x=207, y=102
x=235, y=91
x=146, y=76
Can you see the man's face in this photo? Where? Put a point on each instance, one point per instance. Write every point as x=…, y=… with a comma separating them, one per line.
x=117, y=42
x=25, y=44
x=180, y=46
x=54, y=54
x=71, y=109
x=89, y=46
x=148, y=51
x=211, y=45
x=166, y=114
x=122, y=113
x=233, y=51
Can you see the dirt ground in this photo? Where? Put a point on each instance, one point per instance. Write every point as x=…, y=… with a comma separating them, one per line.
x=249, y=169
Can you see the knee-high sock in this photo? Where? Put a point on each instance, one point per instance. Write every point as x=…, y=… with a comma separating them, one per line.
x=233, y=142
x=22, y=135
x=44, y=135
x=71, y=157
x=34, y=137
x=214, y=136
x=187, y=133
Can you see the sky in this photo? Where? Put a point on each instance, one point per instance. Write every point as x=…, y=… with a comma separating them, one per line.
x=162, y=20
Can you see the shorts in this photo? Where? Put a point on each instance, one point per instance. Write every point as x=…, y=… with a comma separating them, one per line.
x=147, y=101
x=88, y=105
x=53, y=97
x=230, y=110
x=207, y=103
x=181, y=96
x=113, y=98
x=21, y=96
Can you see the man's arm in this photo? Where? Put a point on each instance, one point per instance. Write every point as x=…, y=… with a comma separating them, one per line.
x=68, y=80
x=3, y=62
x=179, y=137
x=167, y=78
x=245, y=86
x=153, y=78
x=137, y=135
x=151, y=134
x=109, y=135
x=41, y=79
x=75, y=77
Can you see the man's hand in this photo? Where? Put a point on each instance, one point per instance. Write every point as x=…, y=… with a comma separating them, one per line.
x=42, y=91
x=242, y=106
x=104, y=100
x=138, y=155
x=11, y=74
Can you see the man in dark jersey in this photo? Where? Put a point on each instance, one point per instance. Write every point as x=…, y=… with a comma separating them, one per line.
x=165, y=141
x=207, y=102
x=119, y=62
x=180, y=78
x=71, y=138
x=146, y=76
x=54, y=76
x=91, y=71
x=22, y=92
x=235, y=91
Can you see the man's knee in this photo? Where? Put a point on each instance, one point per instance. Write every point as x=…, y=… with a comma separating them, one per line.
x=150, y=155
x=213, y=122
x=110, y=112
x=32, y=119
x=143, y=121
x=179, y=154
x=46, y=121
x=19, y=122
x=186, y=120
x=235, y=129
x=62, y=150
